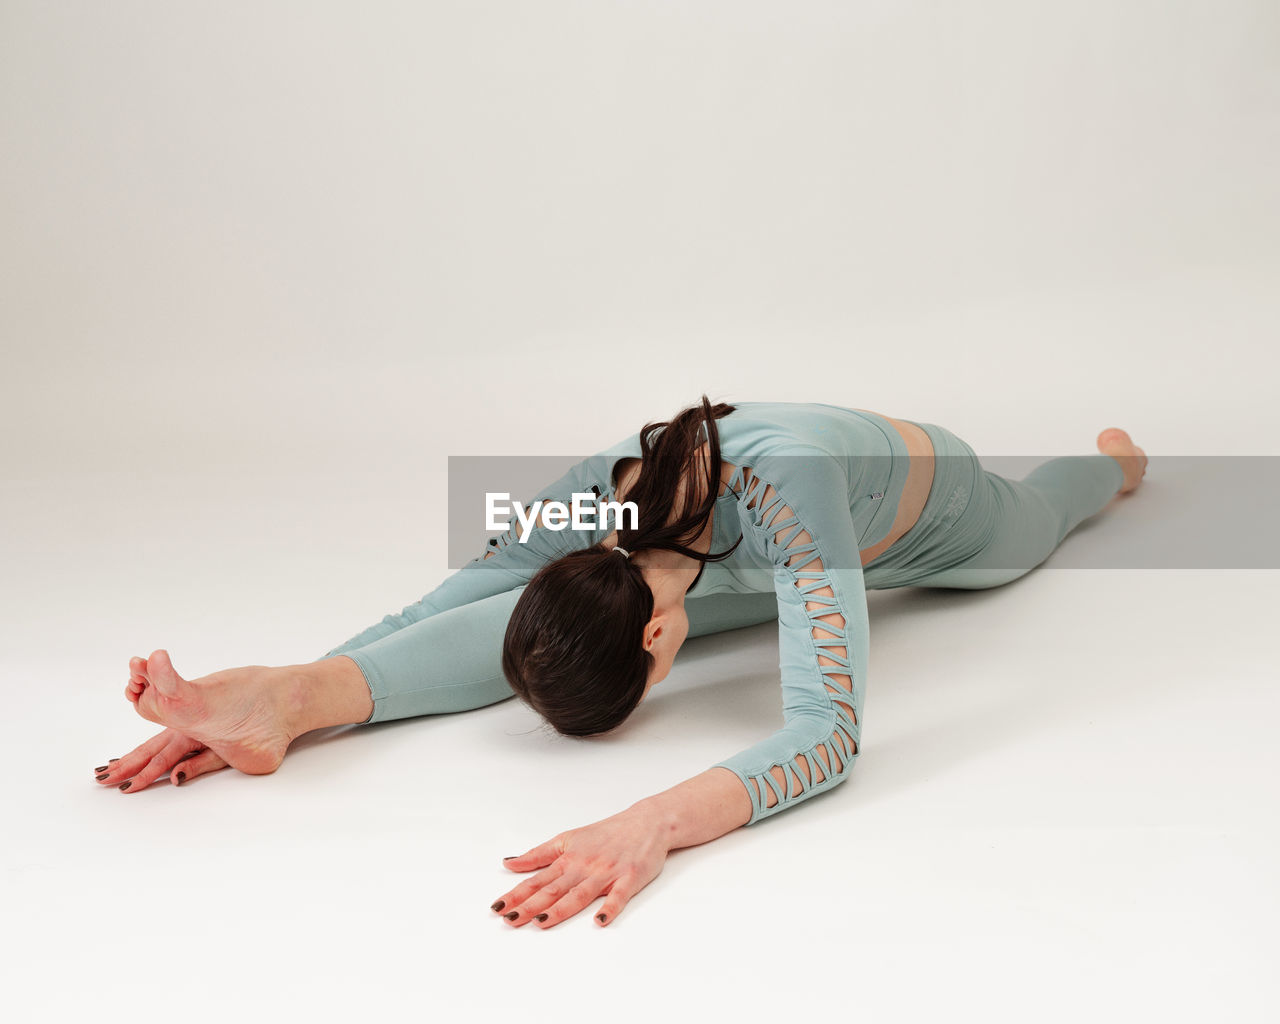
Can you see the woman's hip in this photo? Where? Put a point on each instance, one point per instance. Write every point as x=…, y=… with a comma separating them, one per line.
x=958, y=520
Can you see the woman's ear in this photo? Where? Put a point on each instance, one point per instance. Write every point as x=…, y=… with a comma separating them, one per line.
x=653, y=631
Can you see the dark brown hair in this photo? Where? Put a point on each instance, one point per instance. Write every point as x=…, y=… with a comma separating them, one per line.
x=573, y=649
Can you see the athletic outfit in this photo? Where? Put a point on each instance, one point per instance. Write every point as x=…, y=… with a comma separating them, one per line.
x=812, y=486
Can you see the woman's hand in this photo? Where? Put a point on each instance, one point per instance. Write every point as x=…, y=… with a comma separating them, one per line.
x=615, y=858
x=160, y=755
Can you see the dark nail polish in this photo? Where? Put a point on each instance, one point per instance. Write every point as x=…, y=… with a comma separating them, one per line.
x=127, y=784
x=101, y=768
x=542, y=917
x=512, y=916
x=498, y=906
x=601, y=918
x=512, y=857
x=182, y=777
x=99, y=778
x=113, y=760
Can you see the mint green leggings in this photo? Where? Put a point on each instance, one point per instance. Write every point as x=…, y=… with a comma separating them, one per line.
x=977, y=530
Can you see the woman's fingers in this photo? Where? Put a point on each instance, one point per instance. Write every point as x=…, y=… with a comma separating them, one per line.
x=544, y=856
x=618, y=898
x=548, y=909
x=199, y=763
x=161, y=763
x=538, y=857
x=614, y=858
x=147, y=762
x=561, y=897
x=118, y=769
x=168, y=753
x=509, y=903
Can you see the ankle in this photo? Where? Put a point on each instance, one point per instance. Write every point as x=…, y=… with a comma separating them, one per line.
x=322, y=694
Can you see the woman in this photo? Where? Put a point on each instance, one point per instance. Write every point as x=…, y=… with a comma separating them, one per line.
x=746, y=513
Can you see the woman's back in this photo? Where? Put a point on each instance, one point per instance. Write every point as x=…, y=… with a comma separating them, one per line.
x=801, y=443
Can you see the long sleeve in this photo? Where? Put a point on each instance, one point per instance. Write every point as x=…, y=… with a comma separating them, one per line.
x=798, y=510
x=505, y=564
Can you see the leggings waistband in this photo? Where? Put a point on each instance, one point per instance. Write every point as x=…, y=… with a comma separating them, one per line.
x=955, y=473
x=954, y=523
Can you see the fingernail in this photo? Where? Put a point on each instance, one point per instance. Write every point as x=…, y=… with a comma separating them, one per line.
x=513, y=857
x=101, y=768
x=182, y=777
x=542, y=917
x=512, y=916
x=498, y=906
x=127, y=784
x=99, y=778
x=113, y=760
x=601, y=918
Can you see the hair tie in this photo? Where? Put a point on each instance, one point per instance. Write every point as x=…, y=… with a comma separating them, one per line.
x=624, y=552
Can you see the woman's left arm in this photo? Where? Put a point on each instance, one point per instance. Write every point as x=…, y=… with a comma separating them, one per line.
x=823, y=634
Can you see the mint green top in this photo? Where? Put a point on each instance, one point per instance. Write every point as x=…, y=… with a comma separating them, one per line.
x=839, y=474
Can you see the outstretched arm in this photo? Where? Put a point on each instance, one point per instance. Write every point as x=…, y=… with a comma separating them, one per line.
x=821, y=616
x=823, y=633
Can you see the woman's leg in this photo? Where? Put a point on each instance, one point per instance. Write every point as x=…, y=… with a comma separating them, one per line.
x=453, y=661
x=1025, y=520
x=1032, y=516
x=247, y=717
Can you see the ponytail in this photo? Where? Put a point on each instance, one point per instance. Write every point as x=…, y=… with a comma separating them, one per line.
x=668, y=450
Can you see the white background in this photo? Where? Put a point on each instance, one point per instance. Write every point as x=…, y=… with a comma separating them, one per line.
x=265, y=266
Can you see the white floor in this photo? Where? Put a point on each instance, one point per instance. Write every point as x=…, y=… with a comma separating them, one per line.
x=266, y=266
x=1066, y=800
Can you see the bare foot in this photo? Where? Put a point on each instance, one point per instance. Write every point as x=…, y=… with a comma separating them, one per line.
x=242, y=717
x=1133, y=460
x=240, y=714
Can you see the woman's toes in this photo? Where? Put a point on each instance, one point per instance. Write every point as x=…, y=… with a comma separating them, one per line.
x=137, y=679
x=161, y=674
x=1114, y=436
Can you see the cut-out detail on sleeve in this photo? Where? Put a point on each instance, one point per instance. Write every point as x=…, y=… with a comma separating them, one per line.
x=538, y=530
x=510, y=535
x=816, y=748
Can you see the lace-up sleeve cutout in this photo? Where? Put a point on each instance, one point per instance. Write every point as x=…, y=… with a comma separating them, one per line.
x=511, y=534
x=821, y=620
x=548, y=543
